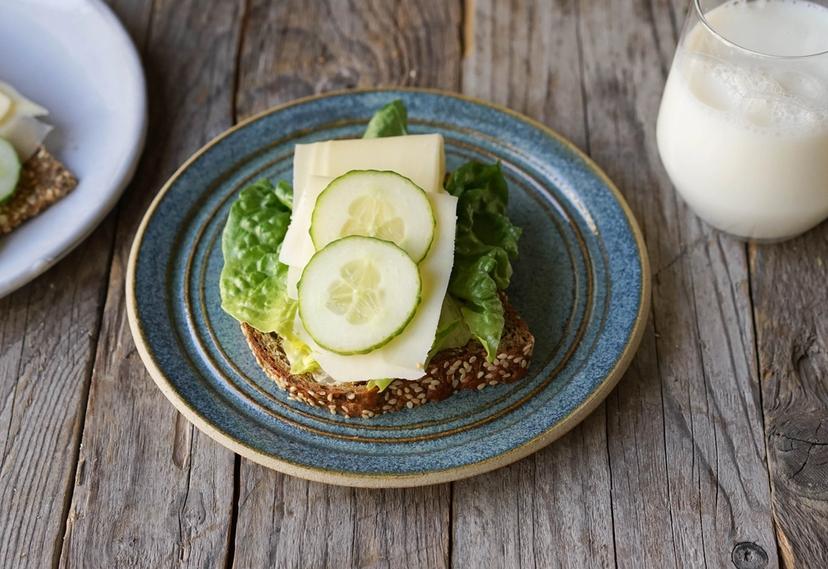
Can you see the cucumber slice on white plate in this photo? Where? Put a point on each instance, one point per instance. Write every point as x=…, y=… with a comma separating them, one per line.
x=9, y=170
x=374, y=203
x=357, y=294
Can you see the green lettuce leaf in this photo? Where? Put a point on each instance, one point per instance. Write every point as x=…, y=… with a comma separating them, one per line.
x=298, y=353
x=474, y=288
x=253, y=281
x=284, y=193
x=486, y=243
x=380, y=384
x=452, y=330
x=390, y=120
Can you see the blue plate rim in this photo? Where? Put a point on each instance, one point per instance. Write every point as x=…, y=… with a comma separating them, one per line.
x=387, y=480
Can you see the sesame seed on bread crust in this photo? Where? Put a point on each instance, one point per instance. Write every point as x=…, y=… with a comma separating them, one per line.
x=448, y=372
x=43, y=181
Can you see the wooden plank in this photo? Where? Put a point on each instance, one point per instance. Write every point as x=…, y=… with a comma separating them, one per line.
x=541, y=512
x=525, y=55
x=791, y=310
x=135, y=17
x=48, y=332
x=689, y=482
x=293, y=49
x=292, y=523
x=151, y=491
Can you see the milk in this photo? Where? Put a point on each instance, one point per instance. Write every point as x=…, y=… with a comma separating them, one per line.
x=744, y=137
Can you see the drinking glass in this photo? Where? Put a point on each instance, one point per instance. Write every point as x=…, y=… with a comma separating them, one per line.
x=743, y=124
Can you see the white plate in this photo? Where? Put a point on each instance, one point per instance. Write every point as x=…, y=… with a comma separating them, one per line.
x=74, y=58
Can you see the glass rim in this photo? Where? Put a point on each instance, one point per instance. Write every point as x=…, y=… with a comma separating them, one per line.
x=721, y=37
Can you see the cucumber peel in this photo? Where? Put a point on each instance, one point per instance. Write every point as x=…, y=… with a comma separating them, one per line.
x=357, y=294
x=9, y=170
x=375, y=203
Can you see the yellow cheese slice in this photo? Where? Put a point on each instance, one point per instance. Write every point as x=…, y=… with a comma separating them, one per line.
x=297, y=247
x=419, y=157
x=21, y=104
x=18, y=122
x=304, y=156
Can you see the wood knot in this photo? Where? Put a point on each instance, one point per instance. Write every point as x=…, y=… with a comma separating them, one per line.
x=747, y=555
x=800, y=443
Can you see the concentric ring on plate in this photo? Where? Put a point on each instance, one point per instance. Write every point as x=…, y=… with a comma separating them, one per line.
x=277, y=405
x=582, y=282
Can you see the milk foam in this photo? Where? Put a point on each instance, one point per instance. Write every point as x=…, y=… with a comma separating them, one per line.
x=761, y=98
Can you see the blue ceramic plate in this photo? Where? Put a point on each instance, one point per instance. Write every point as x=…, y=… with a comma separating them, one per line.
x=581, y=283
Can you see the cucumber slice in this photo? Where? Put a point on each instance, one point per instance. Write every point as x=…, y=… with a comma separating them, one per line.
x=9, y=170
x=374, y=203
x=358, y=293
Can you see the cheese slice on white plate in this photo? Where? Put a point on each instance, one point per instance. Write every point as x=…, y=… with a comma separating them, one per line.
x=22, y=105
x=18, y=121
x=405, y=356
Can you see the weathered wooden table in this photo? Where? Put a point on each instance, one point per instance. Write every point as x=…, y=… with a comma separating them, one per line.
x=712, y=452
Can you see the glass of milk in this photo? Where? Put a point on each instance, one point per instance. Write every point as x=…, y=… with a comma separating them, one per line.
x=743, y=125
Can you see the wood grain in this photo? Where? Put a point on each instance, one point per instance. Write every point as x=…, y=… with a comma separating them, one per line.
x=294, y=49
x=291, y=523
x=685, y=461
x=689, y=482
x=135, y=17
x=791, y=307
x=542, y=512
x=48, y=332
x=150, y=491
x=670, y=472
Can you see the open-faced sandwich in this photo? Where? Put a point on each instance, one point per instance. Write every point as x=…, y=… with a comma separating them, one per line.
x=376, y=282
x=31, y=179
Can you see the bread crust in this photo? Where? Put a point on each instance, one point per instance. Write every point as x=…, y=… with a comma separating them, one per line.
x=448, y=372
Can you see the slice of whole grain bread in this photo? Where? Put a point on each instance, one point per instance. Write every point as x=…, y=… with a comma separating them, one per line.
x=43, y=181
x=448, y=372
